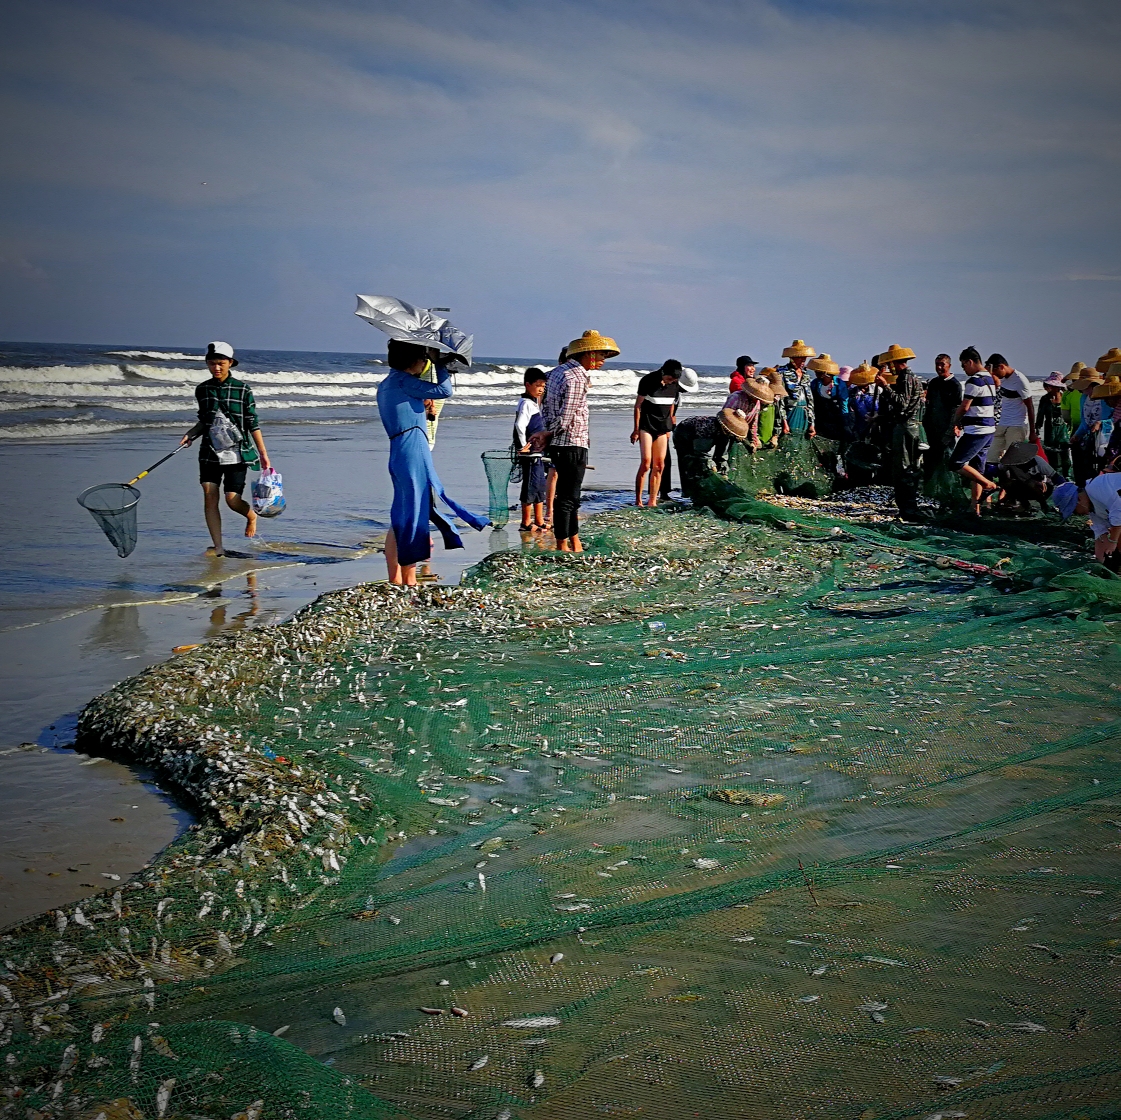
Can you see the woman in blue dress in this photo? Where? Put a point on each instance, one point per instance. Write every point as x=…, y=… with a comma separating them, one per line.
x=416, y=486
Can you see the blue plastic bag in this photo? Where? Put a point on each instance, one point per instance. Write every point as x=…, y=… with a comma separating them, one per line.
x=268, y=494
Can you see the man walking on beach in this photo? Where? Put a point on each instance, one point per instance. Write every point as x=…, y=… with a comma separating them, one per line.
x=975, y=420
x=1016, y=422
x=565, y=414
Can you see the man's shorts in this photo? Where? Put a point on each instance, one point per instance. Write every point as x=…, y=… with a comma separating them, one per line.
x=1005, y=437
x=230, y=479
x=971, y=451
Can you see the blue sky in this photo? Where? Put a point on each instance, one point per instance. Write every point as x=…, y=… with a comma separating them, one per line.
x=696, y=179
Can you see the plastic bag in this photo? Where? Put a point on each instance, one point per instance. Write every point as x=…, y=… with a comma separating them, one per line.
x=225, y=438
x=268, y=494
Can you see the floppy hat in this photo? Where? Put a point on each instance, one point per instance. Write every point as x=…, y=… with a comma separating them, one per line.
x=897, y=353
x=760, y=390
x=1065, y=498
x=1114, y=370
x=864, y=374
x=798, y=349
x=593, y=341
x=734, y=425
x=1107, y=359
x=1055, y=381
x=1089, y=377
x=824, y=364
x=1110, y=387
x=220, y=350
x=687, y=380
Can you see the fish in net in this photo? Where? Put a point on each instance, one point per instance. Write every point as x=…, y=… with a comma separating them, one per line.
x=499, y=466
x=113, y=505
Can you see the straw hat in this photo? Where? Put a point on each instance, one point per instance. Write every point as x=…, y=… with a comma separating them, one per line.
x=798, y=349
x=593, y=341
x=1107, y=359
x=1114, y=370
x=1110, y=387
x=760, y=390
x=775, y=378
x=1075, y=370
x=824, y=364
x=897, y=353
x=864, y=374
x=735, y=426
x=1089, y=377
x=888, y=376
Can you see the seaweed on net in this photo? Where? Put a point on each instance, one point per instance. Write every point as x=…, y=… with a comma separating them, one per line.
x=489, y=821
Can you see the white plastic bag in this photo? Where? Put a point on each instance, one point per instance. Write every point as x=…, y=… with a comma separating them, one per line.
x=225, y=438
x=268, y=494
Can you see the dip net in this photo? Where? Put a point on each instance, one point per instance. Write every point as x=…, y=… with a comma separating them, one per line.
x=113, y=505
x=752, y=816
x=499, y=466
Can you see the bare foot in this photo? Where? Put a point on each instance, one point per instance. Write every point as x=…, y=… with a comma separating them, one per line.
x=576, y=545
x=212, y=551
x=564, y=546
x=250, y=524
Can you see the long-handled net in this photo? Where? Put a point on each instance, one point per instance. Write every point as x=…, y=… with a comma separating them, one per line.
x=113, y=505
x=499, y=466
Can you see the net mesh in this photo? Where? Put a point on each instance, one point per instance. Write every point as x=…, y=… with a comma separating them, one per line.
x=767, y=816
x=499, y=466
x=113, y=505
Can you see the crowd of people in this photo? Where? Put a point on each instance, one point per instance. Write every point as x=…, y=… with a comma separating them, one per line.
x=877, y=421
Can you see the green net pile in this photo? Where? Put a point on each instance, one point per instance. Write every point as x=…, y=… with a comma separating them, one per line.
x=769, y=817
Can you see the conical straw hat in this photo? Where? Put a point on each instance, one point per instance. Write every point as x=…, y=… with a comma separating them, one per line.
x=798, y=349
x=593, y=341
x=760, y=390
x=897, y=353
x=824, y=364
x=775, y=379
x=864, y=374
x=1075, y=370
x=734, y=425
x=888, y=376
x=1107, y=359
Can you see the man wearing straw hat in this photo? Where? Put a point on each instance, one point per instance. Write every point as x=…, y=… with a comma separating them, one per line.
x=565, y=415
x=901, y=419
x=799, y=401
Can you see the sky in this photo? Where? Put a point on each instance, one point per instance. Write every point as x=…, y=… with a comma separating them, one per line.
x=696, y=179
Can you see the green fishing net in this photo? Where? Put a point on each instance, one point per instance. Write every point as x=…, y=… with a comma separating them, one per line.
x=499, y=466
x=759, y=815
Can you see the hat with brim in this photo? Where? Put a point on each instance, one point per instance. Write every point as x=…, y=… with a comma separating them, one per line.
x=1110, y=387
x=1075, y=370
x=1065, y=498
x=1018, y=455
x=824, y=364
x=593, y=342
x=688, y=381
x=220, y=350
x=760, y=390
x=1055, y=381
x=735, y=426
x=864, y=374
x=798, y=349
x=888, y=376
x=1089, y=377
x=896, y=353
x=1107, y=359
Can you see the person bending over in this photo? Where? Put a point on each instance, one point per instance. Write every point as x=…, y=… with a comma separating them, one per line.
x=226, y=400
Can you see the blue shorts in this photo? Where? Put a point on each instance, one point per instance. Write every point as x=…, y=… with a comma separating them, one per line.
x=971, y=451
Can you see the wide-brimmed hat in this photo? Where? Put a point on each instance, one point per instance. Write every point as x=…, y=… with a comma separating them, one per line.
x=1055, y=381
x=1109, y=387
x=760, y=390
x=1107, y=359
x=735, y=426
x=798, y=349
x=888, y=376
x=897, y=353
x=220, y=350
x=778, y=387
x=824, y=364
x=864, y=374
x=1114, y=370
x=593, y=341
x=1089, y=377
x=687, y=380
x=1075, y=370
x=1018, y=454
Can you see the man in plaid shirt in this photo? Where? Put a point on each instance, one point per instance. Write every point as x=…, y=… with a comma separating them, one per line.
x=226, y=395
x=564, y=413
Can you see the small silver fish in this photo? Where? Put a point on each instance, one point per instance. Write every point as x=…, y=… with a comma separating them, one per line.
x=808, y=999
x=556, y=958
x=537, y=1080
x=339, y=1017
x=872, y=1005
x=478, y=1063
x=532, y=1022
x=163, y=1097
x=1027, y=1027
x=460, y=1012
x=280, y=1032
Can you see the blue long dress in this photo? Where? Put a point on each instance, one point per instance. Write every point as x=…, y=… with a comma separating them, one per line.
x=416, y=486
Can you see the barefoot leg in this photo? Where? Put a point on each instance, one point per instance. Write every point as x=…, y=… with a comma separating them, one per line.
x=657, y=467
x=644, y=447
x=239, y=505
x=393, y=569
x=212, y=514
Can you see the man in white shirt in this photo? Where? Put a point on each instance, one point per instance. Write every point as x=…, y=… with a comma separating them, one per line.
x=1101, y=502
x=1017, y=409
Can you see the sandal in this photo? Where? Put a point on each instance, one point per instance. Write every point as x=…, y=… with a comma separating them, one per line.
x=525, y=528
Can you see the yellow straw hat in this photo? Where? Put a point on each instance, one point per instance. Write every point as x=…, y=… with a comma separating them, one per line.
x=760, y=390
x=798, y=349
x=1089, y=377
x=888, y=376
x=1107, y=359
x=775, y=378
x=593, y=341
x=896, y=353
x=824, y=363
x=1075, y=370
x=864, y=374
x=1110, y=387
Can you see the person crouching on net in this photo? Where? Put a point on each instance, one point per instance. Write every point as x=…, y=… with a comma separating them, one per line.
x=225, y=399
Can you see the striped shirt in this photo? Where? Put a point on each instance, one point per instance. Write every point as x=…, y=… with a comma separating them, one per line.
x=235, y=399
x=565, y=408
x=980, y=392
